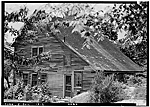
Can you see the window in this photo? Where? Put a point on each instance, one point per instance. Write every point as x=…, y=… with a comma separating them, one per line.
x=78, y=78
x=34, y=51
x=40, y=50
x=37, y=50
x=34, y=79
x=43, y=78
x=25, y=78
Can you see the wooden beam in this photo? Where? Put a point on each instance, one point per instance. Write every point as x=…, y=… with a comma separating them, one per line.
x=63, y=85
x=123, y=72
x=72, y=82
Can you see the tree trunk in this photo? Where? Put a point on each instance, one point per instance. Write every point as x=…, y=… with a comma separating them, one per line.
x=7, y=82
x=14, y=78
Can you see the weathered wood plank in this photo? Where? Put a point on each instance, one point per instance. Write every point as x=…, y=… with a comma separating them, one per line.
x=58, y=51
x=55, y=83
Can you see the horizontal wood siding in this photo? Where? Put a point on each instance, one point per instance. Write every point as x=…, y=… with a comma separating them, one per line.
x=59, y=54
x=88, y=77
x=76, y=60
x=24, y=50
x=52, y=45
x=55, y=82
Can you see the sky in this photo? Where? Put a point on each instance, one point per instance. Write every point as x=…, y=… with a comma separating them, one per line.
x=10, y=7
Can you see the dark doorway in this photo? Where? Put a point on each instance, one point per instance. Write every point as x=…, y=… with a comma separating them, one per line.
x=68, y=87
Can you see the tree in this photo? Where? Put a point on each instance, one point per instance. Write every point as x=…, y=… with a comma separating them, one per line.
x=7, y=70
x=132, y=18
x=9, y=56
x=85, y=21
x=81, y=17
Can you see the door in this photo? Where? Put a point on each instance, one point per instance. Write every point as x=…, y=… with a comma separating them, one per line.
x=68, y=85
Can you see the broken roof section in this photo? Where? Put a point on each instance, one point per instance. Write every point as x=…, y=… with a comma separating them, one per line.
x=102, y=55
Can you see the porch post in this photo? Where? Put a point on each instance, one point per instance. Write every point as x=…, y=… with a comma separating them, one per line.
x=72, y=83
x=63, y=85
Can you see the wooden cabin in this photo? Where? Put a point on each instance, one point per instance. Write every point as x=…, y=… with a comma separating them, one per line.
x=71, y=66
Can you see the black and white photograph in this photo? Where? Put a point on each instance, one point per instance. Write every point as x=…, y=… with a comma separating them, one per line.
x=75, y=53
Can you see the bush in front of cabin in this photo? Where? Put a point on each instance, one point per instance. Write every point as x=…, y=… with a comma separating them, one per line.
x=15, y=92
x=44, y=93
x=105, y=89
x=40, y=92
x=9, y=93
x=28, y=92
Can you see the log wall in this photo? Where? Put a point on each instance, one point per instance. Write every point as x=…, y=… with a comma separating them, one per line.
x=60, y=54
x=87, y=79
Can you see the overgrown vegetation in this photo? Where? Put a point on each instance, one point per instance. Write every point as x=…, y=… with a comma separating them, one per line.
x=139, y=83
x=129, y=17
x=41, y=92
x=88, y=22
x=133, y=80
x=107, y=89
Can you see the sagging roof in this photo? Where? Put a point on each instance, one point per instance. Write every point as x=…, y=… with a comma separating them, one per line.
x=102, y=55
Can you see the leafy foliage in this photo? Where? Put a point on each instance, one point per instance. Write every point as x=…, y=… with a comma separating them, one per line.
x=21, y=92
x=137, y=53
x=85, y=21
x=132, y=80
x=106, y=90
x=132, y=18
x=39, y=92
x=81, y=17
x=13, y=91
x=7, y=68
x=137, y=83
x=48, y=20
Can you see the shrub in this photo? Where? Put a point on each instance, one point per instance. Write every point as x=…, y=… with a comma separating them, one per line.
x=132, y=80
x=9, y=93
x=28, y=92
x=14, y=92
x=106, y=90
x=42, y=93
x=45, y=99
x=39, y=92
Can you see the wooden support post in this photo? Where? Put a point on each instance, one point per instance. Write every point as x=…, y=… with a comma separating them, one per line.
x=63, y=85
x=72, y=83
